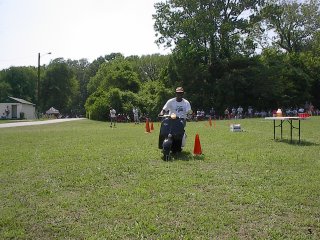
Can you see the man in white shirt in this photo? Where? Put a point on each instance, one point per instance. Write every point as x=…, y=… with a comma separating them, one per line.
x=135, y=115
x=113, y=117
x=239, y=112
x=250, y=111
x=178, y=105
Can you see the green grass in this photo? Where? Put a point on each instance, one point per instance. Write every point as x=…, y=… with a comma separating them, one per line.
x=85, y=180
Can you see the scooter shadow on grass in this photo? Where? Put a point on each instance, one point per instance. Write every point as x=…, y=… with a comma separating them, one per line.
x=183, y=156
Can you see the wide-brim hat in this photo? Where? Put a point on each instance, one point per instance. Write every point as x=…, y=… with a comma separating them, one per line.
x=179, y=90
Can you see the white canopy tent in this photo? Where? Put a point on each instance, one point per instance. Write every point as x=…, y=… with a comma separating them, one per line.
x=53, y=111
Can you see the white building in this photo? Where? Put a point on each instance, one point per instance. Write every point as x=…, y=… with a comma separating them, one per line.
x=18, y=108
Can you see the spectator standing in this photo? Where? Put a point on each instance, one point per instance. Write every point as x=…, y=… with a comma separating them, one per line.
x=198, y=115
x=113, y=117
x=135, y=115
x=239, y=112
x=250, y=111
x=202, y=114
x=233, y=112
x=212, y=112
x=7, y=112
x=226, y=113
x=311, y=109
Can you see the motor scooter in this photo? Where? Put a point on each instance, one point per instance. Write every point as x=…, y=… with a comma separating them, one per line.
x=171, y=135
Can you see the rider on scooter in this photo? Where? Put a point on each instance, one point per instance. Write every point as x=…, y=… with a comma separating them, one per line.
x=172, y=135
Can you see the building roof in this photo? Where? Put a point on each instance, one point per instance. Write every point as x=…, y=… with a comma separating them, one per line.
x=21, y=100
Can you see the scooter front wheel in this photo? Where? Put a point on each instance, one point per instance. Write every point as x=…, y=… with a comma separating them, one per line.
x=166, y=155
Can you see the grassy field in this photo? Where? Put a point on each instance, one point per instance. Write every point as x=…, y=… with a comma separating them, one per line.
x=85, y=180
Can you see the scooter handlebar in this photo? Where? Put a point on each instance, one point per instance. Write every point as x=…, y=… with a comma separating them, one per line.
x=164, y=115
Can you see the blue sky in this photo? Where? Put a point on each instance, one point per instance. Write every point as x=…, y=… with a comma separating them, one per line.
x=74, y=29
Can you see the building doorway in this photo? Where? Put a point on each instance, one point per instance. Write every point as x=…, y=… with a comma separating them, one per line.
x=14, y=111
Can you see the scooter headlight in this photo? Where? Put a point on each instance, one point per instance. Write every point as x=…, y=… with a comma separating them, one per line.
x=173, y=116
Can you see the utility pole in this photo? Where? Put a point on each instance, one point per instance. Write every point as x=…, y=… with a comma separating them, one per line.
x=38, y=83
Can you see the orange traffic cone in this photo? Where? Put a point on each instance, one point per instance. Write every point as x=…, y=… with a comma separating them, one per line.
x=197, y=146
x=147, y=126
x=210, y=122
x=151, y=126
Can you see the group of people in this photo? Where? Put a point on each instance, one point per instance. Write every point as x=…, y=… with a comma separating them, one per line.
x=251, y=112
x=235, y=113
x=114, y=118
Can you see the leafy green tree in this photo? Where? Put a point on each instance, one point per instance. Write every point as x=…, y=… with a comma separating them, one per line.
x=60, y=87
x=115, y=74
x=5, y=90
x=205, y=35
x=99, y=103
x=213, y=28
x=188, y=69
x=298, y=80
x=313, y=45
x=149, y=67
x=153, y=96
x=290, y=80
x=95, y=81
x=239, y=83
x=112, y=56
x=95, y=65
x=19, y=82
x=80, y=68
x=270, y=88
x=293, y=23
x=129, y=100
x=310, y=65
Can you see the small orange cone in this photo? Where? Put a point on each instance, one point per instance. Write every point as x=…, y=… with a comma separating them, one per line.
x=147, y=126
x=151, y=126
x=197, y=146
x=210, y=121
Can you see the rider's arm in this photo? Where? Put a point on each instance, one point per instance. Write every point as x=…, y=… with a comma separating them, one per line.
x=166, y=107
x=163, y=111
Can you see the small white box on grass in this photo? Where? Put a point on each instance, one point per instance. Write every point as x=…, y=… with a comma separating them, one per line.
x=235, y=128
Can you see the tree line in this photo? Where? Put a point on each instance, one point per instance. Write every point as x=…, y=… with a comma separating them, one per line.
x=257, y=53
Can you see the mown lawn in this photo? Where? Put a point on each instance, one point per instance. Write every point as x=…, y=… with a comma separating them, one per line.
x=85, y=180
